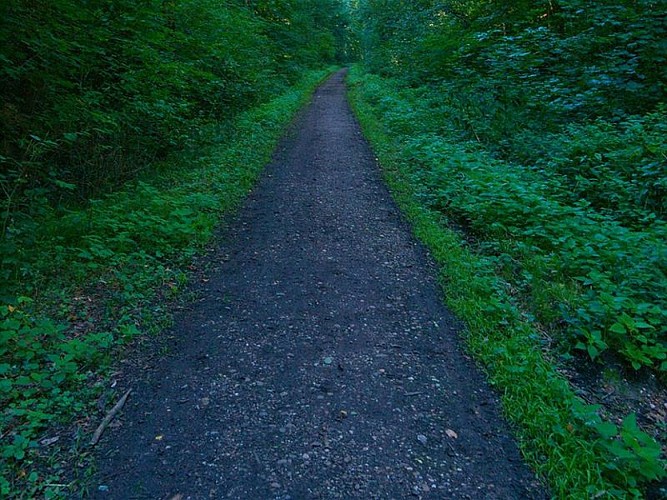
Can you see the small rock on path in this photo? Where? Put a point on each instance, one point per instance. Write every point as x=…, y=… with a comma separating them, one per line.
x=321, y=362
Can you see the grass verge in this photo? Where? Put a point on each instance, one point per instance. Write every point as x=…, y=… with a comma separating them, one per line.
x=563, y=438
x=88, y=282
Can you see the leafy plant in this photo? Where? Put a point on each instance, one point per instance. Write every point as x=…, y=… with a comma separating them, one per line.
x=632, y=456
x=520, y=258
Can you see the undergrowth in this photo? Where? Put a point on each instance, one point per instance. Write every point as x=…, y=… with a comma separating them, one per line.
x=519, y=257
x=81, y=283
x=581, y=268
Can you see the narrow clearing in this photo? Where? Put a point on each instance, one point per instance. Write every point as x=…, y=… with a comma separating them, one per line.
x=320, y=362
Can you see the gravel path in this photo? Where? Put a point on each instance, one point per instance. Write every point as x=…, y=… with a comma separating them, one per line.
x=321, y=362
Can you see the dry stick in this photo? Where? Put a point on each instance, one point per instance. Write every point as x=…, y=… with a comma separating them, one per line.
x=107, y=420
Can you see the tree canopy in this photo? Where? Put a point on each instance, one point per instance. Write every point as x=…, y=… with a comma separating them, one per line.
x=93, y=91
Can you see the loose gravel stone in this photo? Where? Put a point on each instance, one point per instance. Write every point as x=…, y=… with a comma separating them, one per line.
x=319, y=350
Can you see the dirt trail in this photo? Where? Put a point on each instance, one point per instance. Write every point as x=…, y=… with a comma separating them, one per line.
x=321, y=362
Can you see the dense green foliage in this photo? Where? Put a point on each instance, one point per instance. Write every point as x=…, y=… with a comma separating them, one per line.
x=556, y=151
x=537, y=132
x=91, y=93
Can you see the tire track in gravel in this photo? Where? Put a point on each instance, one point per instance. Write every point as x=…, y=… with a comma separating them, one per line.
x=321, y=362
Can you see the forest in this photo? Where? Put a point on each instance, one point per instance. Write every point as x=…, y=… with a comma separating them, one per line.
x=526, y=142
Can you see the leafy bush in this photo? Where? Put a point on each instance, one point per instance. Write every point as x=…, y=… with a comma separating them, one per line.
x=41, y=371
x=540, y=128
x=93, y=93
x=619, y=168
x=539, y=260
x=618, y=272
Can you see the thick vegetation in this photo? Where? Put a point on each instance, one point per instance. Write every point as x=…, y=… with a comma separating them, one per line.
x=92, y=94
x=127, y=129
x=537, y=131
x=565, y=102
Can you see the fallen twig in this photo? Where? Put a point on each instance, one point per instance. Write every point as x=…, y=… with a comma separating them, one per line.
x=608, y=394
x=109, y=417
